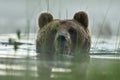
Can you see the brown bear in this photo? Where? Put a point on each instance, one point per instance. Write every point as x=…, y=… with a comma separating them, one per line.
x=65, y=37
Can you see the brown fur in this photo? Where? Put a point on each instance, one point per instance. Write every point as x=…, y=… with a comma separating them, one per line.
x=75, y=31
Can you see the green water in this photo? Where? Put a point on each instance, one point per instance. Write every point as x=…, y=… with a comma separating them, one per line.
x=104, y=69
x=26, y=69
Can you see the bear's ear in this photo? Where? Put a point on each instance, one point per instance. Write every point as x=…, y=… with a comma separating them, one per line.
x=44, y=19
x=82, y=18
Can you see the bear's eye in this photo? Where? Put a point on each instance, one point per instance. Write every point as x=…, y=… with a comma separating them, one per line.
x=72, y=31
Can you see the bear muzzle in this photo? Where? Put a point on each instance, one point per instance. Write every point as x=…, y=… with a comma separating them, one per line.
x=63, y=43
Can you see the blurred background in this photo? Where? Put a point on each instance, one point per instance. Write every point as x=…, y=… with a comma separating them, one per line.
x=17, y=14
x=19, y=25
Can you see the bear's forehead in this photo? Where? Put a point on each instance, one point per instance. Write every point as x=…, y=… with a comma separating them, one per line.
x=64, y=24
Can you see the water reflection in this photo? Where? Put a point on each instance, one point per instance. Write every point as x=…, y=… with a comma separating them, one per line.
x=60, y=68
x=36, y=69
x=12, y=68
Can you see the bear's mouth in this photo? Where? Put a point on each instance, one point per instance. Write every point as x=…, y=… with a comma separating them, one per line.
x=62, y=48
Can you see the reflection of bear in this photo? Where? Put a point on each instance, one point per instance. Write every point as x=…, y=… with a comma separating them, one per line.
x=69, y=37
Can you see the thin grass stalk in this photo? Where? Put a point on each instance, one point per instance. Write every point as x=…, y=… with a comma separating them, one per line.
x=99, y=35
x=93, y=25
x=117, y=37
x=104, y=19
x=80, y=4
x=27, y=24
x=47, y=2
x=39, y=3
x=59, y=12
x=66, y=13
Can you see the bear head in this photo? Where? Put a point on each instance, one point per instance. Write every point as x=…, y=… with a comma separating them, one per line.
x=68, y=36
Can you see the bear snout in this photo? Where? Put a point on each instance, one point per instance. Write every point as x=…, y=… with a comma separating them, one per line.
x=61, y=39
x=62, y=44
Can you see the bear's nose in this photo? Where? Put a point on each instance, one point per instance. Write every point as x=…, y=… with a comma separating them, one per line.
x=61, y=38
